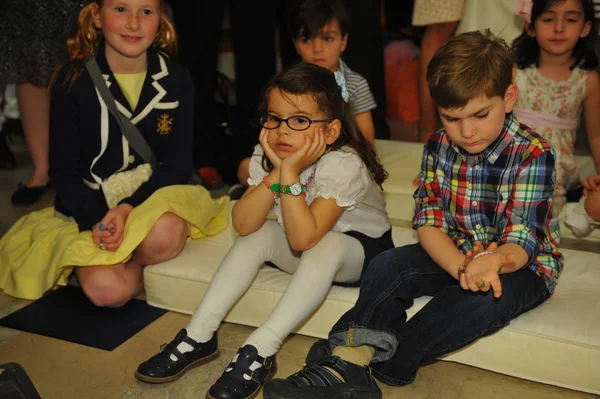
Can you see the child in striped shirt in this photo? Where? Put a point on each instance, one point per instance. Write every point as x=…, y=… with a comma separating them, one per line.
x=320, y=30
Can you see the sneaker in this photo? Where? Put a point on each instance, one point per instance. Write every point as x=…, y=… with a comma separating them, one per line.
x=239, y=381
x=160, y=368
x=316, y=381
x=577, y=218
x=319, y=350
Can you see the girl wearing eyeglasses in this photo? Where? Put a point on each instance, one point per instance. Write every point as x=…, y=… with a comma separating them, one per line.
x=314, y=170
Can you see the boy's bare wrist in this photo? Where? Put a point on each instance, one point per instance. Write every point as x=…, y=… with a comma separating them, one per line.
x=484, y=253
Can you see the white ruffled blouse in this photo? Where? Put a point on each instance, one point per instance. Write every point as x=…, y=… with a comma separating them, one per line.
x=341, y=175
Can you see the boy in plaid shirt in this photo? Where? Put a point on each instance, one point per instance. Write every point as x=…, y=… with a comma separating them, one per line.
x=487, y=248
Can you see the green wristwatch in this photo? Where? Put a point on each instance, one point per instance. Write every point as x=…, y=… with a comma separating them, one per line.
x=294, y=189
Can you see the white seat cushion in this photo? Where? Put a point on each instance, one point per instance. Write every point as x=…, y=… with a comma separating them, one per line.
x=558, y=343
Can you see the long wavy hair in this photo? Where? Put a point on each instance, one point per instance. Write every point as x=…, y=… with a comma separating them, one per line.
x=305, y=78
x=85, y=38
x=527, y=49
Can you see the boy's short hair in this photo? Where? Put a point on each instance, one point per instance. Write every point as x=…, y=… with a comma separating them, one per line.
x=310, y=16
x=468, y=66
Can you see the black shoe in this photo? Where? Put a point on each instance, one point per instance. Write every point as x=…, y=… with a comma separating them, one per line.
x=315, y=381
x=319, y=350
x=28, y=195
x=160, y=368
x=233, y=385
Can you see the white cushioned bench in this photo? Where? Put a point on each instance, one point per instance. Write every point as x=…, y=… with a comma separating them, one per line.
x=557, y=343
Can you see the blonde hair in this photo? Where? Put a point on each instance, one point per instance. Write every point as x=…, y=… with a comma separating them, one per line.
x=85, y=38
x=467, y=66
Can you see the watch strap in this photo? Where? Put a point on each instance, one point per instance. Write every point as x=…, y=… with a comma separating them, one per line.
x=286, y=188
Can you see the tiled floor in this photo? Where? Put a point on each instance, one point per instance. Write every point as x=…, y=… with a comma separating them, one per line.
x=62, y=370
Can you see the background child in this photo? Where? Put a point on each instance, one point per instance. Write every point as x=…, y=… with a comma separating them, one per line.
x=478, y=175
x=131, y=41
x=318, y=175
x=320, y=30
x=556, y=56
x=584, y=215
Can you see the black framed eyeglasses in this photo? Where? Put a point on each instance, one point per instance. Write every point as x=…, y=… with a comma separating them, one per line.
x=296, y=122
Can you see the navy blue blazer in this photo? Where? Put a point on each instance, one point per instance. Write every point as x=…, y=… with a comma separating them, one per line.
x=86, y=144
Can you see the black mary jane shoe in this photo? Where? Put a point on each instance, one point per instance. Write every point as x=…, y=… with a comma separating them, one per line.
x=160, y=368
x=24, y=195
x=316, y=381
x=238, y=381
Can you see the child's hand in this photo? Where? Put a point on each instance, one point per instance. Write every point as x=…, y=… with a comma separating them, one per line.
x=308, y=154
x=417, y=180
x=100, y=234
x=591, y=183
x=483, y=273
x=478, y=248
x=262, y=138
x=108, y=234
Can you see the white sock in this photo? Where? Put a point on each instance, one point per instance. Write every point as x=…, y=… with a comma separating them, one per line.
x=185, y=347
x=254, y=366
x=265, y=341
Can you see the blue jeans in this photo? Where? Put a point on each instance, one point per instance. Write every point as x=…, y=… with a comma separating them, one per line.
x=451, y=320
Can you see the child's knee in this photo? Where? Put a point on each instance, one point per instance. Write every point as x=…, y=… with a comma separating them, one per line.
x=592, y=205
x=167, y=237
x=388, y=266
x=104, y=288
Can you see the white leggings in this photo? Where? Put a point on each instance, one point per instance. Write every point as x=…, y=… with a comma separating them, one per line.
x=337, y=257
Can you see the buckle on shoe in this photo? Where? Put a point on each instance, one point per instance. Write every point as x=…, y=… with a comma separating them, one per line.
x=270, y=363
x=254, y=378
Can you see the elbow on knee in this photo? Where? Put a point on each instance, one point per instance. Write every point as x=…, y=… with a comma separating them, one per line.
x=300, y=245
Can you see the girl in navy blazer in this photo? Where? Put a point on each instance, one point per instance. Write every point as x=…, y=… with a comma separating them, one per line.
x=114, y=213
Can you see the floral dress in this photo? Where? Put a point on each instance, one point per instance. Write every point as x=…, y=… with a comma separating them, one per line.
x=552, y=109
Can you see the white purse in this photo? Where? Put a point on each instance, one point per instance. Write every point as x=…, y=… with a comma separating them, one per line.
x=123, y=184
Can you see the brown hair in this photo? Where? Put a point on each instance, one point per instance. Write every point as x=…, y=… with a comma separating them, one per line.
x=305, y=78
x=467, y=66
x=85, y=37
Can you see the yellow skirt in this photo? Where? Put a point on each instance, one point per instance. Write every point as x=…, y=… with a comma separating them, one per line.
x=40, y=250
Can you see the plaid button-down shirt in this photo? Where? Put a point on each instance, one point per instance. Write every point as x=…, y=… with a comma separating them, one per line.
x=503, y=195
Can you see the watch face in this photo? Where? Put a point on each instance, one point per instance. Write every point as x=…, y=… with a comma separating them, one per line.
x=296, y=189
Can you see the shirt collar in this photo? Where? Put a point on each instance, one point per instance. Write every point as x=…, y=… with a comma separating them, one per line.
x=342, y=67
x=154, y=66
x=494, y=150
